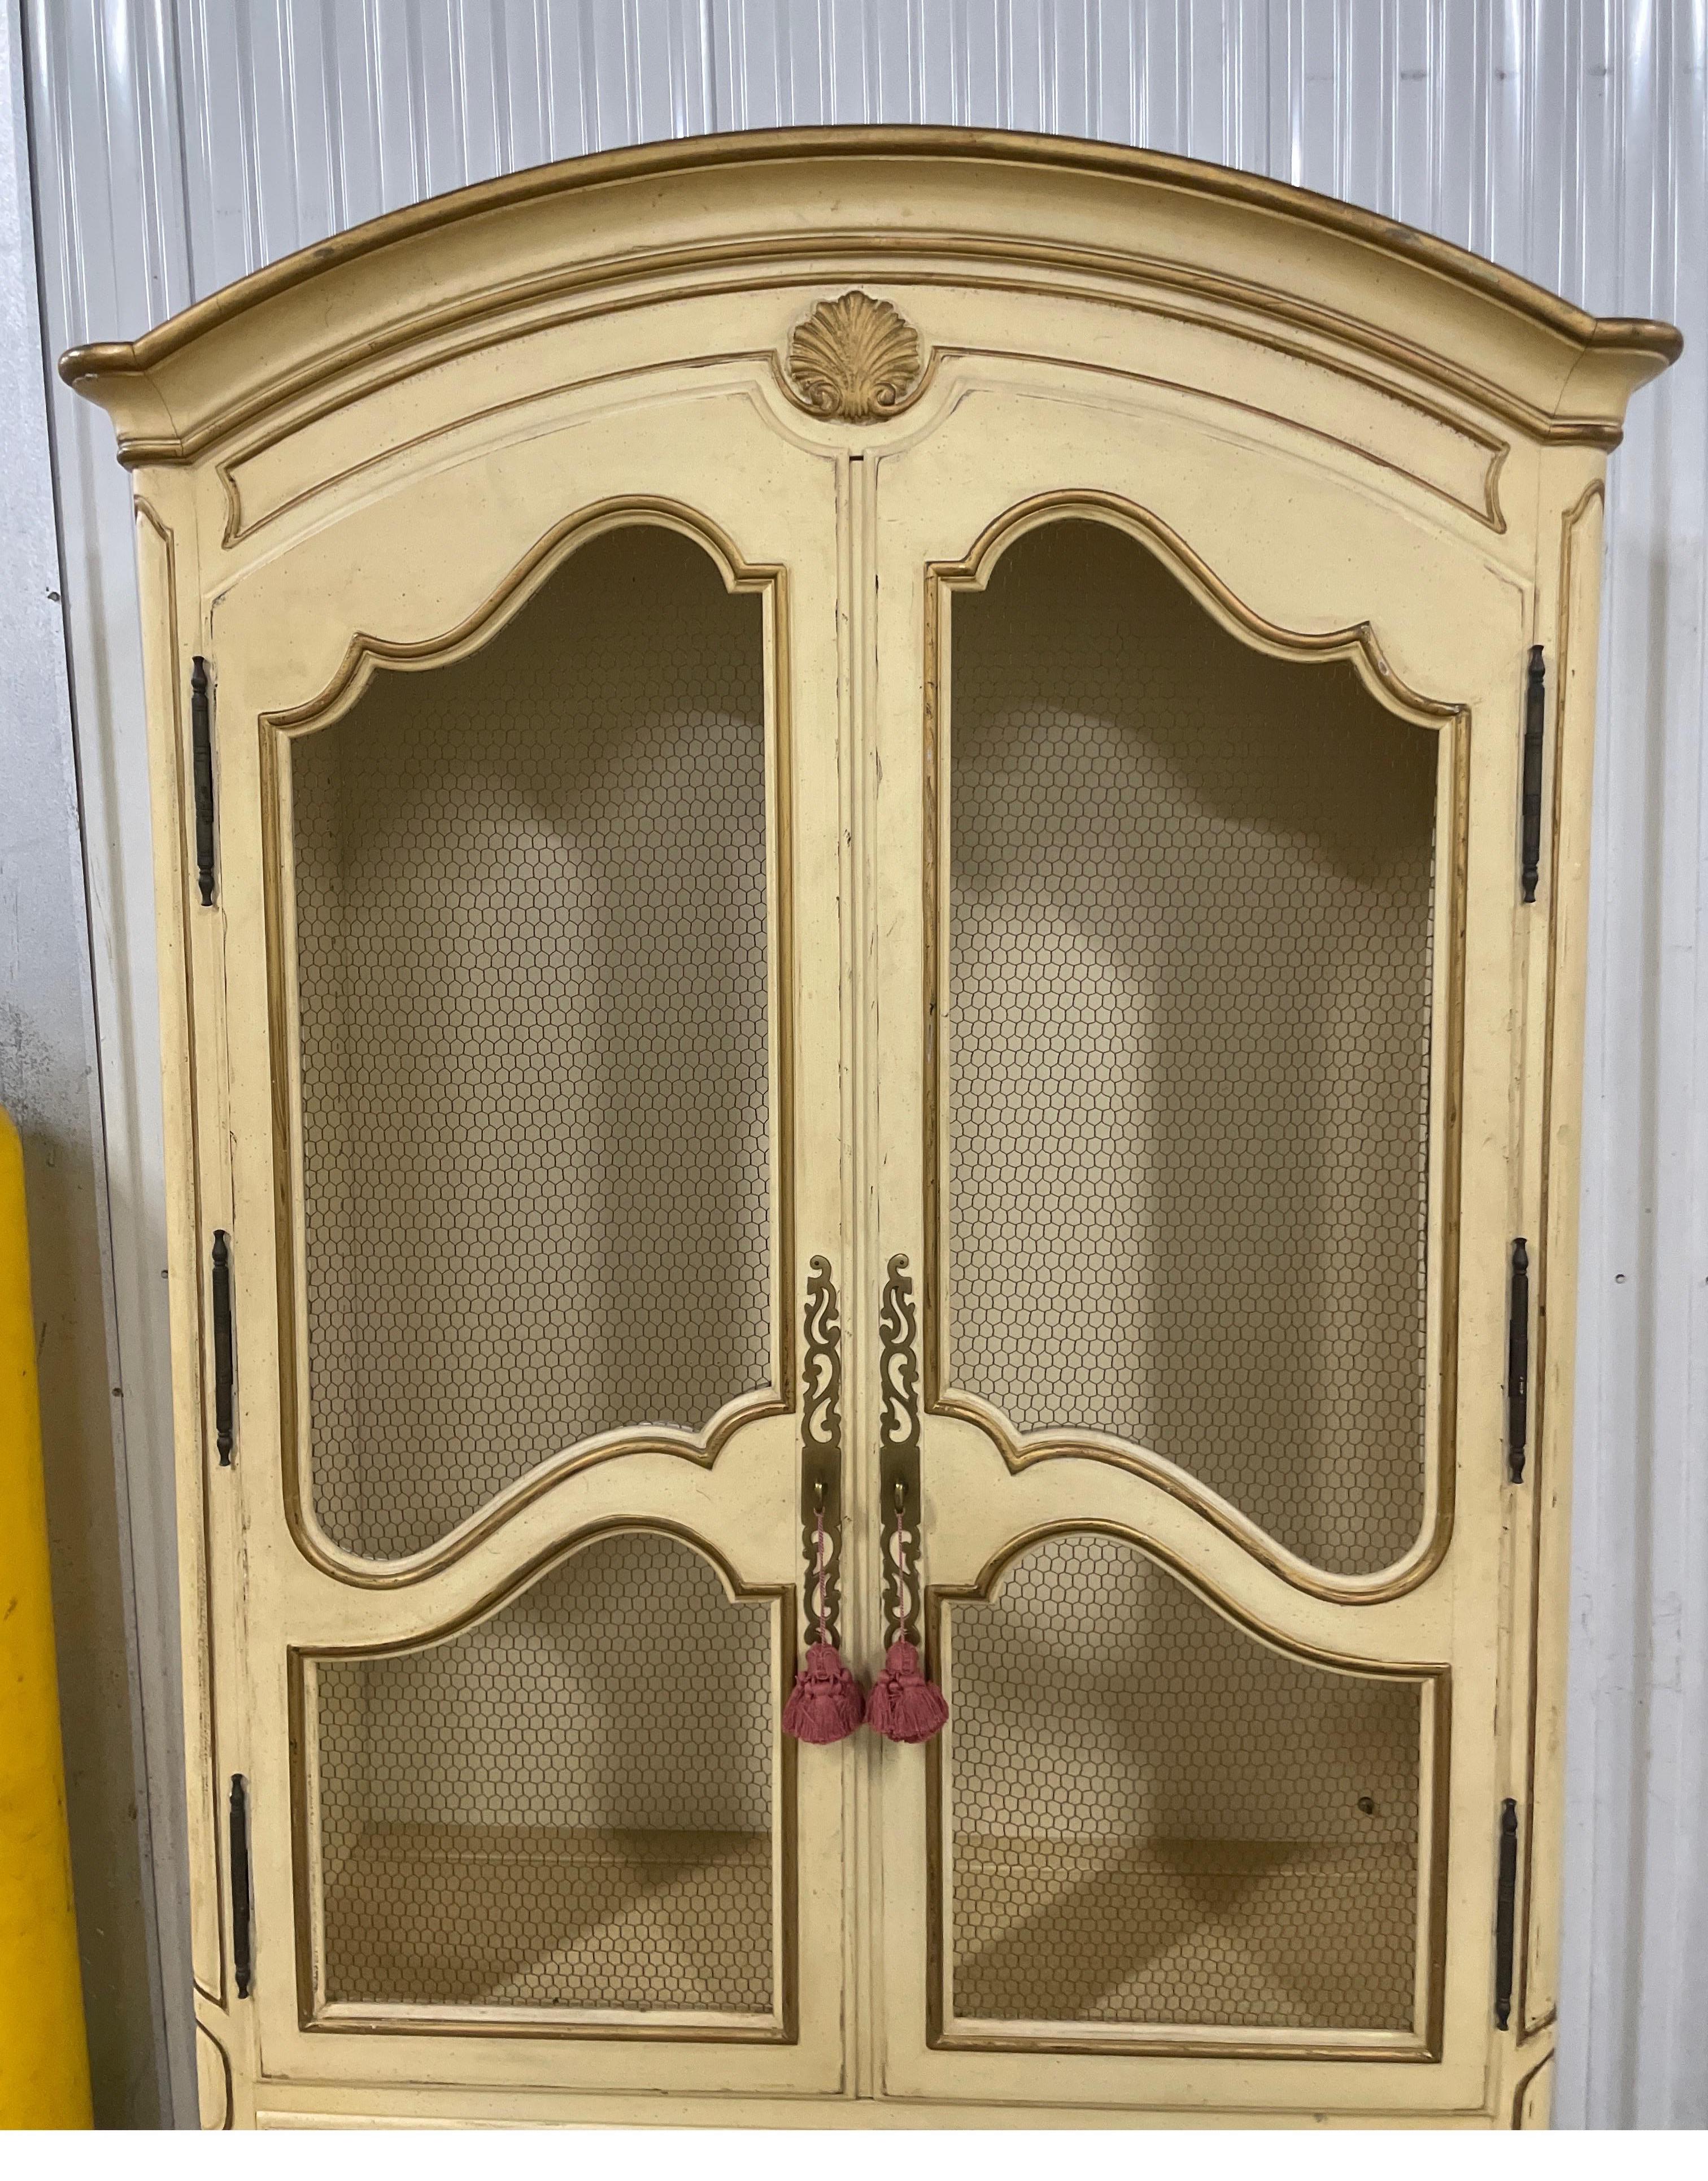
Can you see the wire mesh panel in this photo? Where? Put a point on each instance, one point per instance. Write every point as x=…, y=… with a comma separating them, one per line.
x=1187, y=1037
x=568, y=1806
x=1154, y=1819
x=532, y=989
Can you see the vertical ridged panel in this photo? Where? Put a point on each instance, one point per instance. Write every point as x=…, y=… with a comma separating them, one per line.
x=111, y=239
x=1637, y=1930
x=181, y=143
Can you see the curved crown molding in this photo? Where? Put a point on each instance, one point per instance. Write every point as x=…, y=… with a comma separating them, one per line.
x=846, y=204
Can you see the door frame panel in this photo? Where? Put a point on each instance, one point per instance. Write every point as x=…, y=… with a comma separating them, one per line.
x=366, y=657
x=1452, y=721
x=314, y=2011
x=1429, y=610
x=437, y=565
x=1435, y=1681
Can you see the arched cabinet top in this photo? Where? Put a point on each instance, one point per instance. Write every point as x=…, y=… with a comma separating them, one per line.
x=887, y=208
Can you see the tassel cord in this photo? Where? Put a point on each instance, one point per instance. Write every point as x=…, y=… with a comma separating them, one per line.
x=826, y=1703
x=818, y=1496
x=904, y=1706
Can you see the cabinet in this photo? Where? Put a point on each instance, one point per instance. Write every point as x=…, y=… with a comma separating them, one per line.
x=894, y=823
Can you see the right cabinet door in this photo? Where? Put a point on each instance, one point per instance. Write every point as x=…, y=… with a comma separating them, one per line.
x=1196, y=873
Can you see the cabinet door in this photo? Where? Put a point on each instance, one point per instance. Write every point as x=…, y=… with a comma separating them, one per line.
x=1194, y=1069
x=527, y=787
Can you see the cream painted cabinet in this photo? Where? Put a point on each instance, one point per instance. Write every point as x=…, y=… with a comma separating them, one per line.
x=885, y=825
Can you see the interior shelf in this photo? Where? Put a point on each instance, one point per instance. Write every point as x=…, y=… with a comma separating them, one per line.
x=572, y=1917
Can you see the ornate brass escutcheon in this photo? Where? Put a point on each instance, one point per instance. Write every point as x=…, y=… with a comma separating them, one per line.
x=821, y=1454
x=898, y=1454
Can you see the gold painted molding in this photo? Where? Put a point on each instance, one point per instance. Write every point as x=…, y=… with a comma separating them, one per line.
x=401, y=2020
x=1434, y=1679
x=243, y=520
x=1260, y=249
x=364, y=656
x=1521, y=2088
x=213, y=2079
x=1359, y=647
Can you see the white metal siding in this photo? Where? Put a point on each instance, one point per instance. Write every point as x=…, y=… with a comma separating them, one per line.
x=181, y=143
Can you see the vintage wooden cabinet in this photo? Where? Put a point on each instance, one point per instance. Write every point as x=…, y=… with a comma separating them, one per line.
x=891, y=820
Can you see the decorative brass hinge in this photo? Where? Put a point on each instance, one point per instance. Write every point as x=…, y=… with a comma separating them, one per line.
x=1535, y=696
x=1517, y=1361
x=202, y=768
x=1506, y=1911
x=898, y=1455
x=821, y=1454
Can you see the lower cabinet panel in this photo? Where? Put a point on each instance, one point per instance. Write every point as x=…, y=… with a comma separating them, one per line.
x=316, y=2106
x=1154, y=1819
x=534, y=1814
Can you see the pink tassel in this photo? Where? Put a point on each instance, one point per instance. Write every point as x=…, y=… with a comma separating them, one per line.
x=826, y=1703
x=903, y=1705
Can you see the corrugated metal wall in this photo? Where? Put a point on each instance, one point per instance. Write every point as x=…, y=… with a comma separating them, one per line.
x=181, y=143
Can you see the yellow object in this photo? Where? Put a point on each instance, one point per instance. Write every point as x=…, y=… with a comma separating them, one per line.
x=44, y=2062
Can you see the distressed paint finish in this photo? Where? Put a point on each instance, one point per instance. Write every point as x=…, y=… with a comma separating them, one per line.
x=402, y=432
x=181, y=146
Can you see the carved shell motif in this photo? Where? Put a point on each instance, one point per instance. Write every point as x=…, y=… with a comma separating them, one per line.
x=855, y=358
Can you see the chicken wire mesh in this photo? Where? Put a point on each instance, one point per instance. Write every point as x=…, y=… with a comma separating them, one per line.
x=1155, y=1819
x=532, y=992
x=537, y=1812
x=1187, y=1045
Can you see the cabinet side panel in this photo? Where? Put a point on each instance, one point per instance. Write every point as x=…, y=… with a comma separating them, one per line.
x=1573, y=727
x=165, y=545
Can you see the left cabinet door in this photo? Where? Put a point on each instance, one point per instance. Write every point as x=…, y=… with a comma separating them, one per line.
x=528, y=1038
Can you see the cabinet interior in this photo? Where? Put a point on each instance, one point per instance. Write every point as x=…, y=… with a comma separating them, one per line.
x=1187, y=1037
x=1154, y=1818
x=532, y=1000
x=568, y=1805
